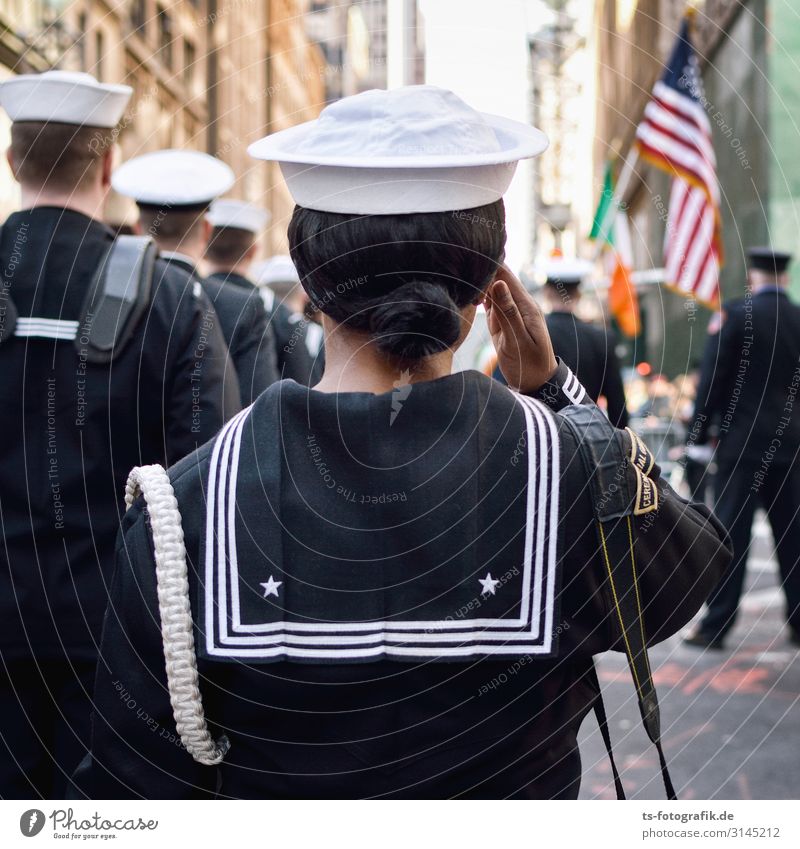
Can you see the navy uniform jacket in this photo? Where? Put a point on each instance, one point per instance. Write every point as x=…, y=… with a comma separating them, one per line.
x=400, y=597
x=71, y=430
x=294, y=359
x=589, y=352
x=749, y=382
x=246, y=329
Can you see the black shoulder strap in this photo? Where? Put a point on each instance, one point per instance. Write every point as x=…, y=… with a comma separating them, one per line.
x=117, y=298
x=8, y=312
x=610, y=470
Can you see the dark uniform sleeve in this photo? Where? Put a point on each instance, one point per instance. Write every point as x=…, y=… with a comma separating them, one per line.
x=205, y=387
x=720, y=358
x=254, y=352
x=136, y=750
x=681, y=550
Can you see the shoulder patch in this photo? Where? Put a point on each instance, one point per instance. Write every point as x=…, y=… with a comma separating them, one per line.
x=642, y=461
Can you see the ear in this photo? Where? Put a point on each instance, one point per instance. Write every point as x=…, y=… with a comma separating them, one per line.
x=251, y=253
x=206, y=230
x=467, y=320
x=108, y=167
x=137, y=228
x=10, y=160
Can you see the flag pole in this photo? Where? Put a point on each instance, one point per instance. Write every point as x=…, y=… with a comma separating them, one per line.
x=620, y=188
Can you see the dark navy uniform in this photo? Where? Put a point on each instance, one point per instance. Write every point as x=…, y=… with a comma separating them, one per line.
x=750, y=378
x=589, y=352
x=246, y=329
x=71, y=429
x=404, y=602
x=293, y=358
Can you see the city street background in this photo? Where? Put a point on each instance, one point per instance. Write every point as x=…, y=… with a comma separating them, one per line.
x=730, y=719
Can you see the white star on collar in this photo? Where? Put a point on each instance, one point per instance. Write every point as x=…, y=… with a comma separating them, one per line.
x=271, y=587
x=489, y=584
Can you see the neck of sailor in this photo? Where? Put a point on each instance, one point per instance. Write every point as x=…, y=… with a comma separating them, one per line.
x=88, y=198
x=353, y=362
x=242, y=267
x=192, y=243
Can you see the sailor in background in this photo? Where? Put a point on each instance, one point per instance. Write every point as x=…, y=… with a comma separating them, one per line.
x=173, y=190
x=231, y=250
x=107, y=359
x=588, y=350
x=383, y=596
x=748, y=395
x=300, y=354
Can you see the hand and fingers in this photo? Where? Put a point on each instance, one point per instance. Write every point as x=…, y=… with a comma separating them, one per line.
x=519, y=332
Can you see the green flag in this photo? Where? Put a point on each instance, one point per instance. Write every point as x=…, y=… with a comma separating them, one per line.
x=604, y=217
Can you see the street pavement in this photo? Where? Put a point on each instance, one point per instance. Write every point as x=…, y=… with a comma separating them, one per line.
x=730, y=719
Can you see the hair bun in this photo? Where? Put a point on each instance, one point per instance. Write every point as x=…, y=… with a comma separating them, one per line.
x=415, y=320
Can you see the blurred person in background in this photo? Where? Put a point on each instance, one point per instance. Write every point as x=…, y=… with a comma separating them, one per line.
x=286, y=302
x=749, y=382
x=173, y=190
x=586, y=349
x=99, y=355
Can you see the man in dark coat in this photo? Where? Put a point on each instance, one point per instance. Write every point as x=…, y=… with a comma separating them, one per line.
x=749, y=382
x=586, y=349
x=173, y=190
x=72, y=427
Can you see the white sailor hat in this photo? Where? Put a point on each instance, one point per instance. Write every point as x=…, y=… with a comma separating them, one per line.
x=64, y=97
x=173, y=178
x=411, y=149
x=570, y=272
x=238, y=215
x=276, y=269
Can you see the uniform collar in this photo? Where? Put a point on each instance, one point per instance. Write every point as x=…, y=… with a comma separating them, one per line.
x=177, y=258
x=59, y=215
x=771, y=290
x=234, y=278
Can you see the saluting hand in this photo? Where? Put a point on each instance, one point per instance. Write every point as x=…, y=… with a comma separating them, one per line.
x=519, y=333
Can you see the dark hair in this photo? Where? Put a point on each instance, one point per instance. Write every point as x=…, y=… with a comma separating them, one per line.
x=62, y=157
x=171, y=224
x=228, y=245
x=401, y=278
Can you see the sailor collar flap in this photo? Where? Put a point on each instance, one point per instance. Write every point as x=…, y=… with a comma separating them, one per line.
x=428, y=573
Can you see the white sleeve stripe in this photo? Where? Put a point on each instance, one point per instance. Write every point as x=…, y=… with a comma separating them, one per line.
x=573, y=388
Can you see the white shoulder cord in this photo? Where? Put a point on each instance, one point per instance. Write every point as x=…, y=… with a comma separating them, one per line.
x=175, y=611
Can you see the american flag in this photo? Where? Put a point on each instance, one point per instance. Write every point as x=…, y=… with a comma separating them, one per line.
x=675, y=135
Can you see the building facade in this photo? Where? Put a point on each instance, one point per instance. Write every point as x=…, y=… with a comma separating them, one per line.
x=210, y=75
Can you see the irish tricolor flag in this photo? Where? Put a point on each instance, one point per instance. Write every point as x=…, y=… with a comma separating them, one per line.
x=611, y=230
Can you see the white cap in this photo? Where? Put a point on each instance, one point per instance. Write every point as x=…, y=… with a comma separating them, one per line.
x=173, y=177
x=565, y=270
x=238, y=215
x=276, y=269
x=64, y=97
x=411, y=149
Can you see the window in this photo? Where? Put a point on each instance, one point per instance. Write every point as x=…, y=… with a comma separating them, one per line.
x=139, y=17
x=165, y=37
x=82, y=26
x=99, y=55
x=189, y=60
